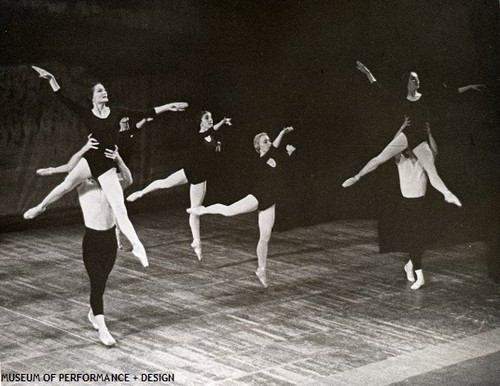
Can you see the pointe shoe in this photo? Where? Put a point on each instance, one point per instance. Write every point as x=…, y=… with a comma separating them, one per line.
x=350, y=182
x=196, y=245
x=91, y=318
x=409, y=271
x=261, y=274
x=106, y=337
x=34, y=212
x=134, y=196
x=45, y=172
x=450, y=198
x=139, y=252
x=420, y=280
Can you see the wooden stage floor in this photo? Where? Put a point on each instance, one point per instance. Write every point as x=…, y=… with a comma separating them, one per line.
x=336, y=311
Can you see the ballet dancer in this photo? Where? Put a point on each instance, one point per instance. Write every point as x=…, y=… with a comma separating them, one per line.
x=103, y=123
x=265, y=190
x=413, y=138
x=99, y=244
x=200, y=167
x=411, y=233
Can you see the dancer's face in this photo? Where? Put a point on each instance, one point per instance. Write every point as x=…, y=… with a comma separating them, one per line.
x=264, y=144
x=100, y=94
x=124, y=124
x=206, y=120
x=413, y=82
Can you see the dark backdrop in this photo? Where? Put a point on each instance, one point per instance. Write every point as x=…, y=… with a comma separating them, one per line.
x=266, y=64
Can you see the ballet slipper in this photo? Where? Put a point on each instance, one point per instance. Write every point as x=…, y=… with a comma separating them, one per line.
x=45, y=171
x=409, y=271
x=350, y=182
x=91, y=318
x=196, y=245
x=134, y=196
x=104, y=334
x=139, y=252
x=261, y=274
x=450, y=198
x=420, y=280
x=197, y=211
x=34, y=212
x=106, y=337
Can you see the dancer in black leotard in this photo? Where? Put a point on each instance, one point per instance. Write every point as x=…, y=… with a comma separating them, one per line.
x=128, y=135
x=103, y=123
x=201, y=165
x=265, y=190
x=413, y=138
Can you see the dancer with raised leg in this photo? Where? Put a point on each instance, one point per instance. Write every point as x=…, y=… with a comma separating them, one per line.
x=413, y=138
x=265, y=190
x=103, y=123
x=406, y=228
x=201, y=166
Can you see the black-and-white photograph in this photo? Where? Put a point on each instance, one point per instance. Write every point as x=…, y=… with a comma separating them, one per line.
x=249, y=192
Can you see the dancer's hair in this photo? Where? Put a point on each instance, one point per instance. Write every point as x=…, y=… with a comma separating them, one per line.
x=256, y=141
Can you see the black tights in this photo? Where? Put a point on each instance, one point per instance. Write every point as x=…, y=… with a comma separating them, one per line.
x=99, y=256
x=416, y=258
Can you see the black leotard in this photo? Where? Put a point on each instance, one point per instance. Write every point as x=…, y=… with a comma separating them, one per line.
x=104, y=130
x=204, y=157
x=268, y=178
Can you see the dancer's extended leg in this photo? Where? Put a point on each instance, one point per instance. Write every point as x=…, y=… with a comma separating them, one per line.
x=72, y=180
x=426, y=158
x=396, y=146
x=175, y=179
x=245, y=205
x=266, y=223
x=197, y=195
x=113, y=191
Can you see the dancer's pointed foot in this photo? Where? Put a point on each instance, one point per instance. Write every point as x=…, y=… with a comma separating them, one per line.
x=420, y=280
x=106, y=337
x=34, y=212
x=139, y=252
x=91, y=318
x=196, y=245
x=45, y=171
x=450, y=198
x=350, y=182
x=261, y=274
x=409, y=271
x=197, y=211
x=134, y=196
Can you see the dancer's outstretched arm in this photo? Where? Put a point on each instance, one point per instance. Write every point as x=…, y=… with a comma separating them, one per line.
x=175, y=106
x=475, y=87
x=279, y=138
x=226, y=121
x=66, y=168
x=361, y=67
x=47, y=75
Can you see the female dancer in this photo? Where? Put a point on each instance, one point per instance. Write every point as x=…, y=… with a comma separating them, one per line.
x=413, y=138
x=201, y=166
x=103, y=122
x=266, y=187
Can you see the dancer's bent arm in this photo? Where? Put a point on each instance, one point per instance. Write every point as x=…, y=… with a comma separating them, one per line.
x=66, y=168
